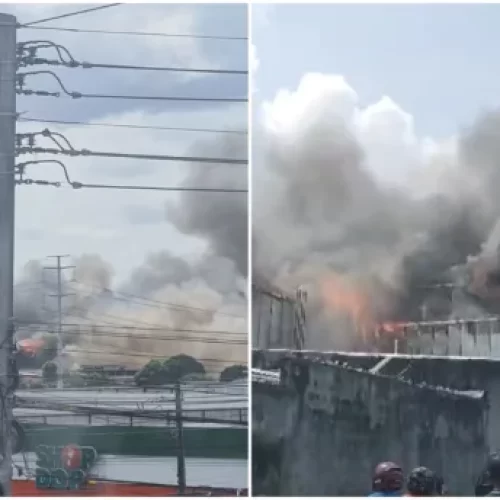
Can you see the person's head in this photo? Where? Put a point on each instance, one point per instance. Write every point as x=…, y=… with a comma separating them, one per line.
x=388, y=477
x=422, y=482
x=493, y=468
x=440, y=486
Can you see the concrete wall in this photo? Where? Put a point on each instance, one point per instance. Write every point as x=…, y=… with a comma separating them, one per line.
x=460, y=373
x=322, y=431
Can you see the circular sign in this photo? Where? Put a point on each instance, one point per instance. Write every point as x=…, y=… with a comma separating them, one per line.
x=71, y=457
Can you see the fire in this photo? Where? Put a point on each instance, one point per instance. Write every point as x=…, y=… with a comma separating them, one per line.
x=393, y=328
x=31, y=347
x=342, y=296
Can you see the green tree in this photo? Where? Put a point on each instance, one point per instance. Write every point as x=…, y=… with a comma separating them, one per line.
x=168, y=371
x=233, y=372
x=49, y=372
x=49, y=351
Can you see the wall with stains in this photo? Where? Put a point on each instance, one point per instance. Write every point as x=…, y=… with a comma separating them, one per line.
x=325, y=427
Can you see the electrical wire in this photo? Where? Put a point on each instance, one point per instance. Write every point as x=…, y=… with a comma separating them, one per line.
x=150, y=355
x=178, y=338
x=21, y=78
x=80, y=185
x=134, y=299
x=171, y=69
x=164, y=98
x=137, y=33
x=145, y=127
x=155, y=329
x=106, y=154
x=31, y=24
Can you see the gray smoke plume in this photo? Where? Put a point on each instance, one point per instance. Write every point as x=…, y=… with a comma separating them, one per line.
x=220, y=219
x=323, y=219
x=200, y=302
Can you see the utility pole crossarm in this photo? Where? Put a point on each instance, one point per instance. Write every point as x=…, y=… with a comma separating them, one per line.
x=7, y=200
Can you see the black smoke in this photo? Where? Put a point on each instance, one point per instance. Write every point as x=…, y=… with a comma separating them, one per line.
x=322, y=209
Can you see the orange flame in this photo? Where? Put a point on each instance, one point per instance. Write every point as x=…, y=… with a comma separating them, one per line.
x=393, y=328
x=343, y=297
x=31, y=347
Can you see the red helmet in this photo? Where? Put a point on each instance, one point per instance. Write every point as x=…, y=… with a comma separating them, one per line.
x=388, y=476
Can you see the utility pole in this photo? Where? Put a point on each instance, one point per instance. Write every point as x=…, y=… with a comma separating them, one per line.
x=181, y=461
x=59, y=295
x=8, y=67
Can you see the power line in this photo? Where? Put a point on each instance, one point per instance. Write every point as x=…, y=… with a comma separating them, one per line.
x=137, y=33
x=160, y=304
x=31, y=326
x=135, y=299
x=163, y=338
x=164, y=98
x=152, y=327
x=105, y=154
x=21, y=78
x=68, y=14
x=87, y=65
x=145, y=127
x=79, y=95
x=150, y=355
x=80, y=185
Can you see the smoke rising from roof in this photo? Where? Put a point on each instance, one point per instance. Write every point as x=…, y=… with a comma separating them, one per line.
x=352, y=195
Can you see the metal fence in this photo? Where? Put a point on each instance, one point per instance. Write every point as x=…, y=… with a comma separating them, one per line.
x=461, y=337
x=278, y=320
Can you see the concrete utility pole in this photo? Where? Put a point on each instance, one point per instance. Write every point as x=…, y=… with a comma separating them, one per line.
x=59, y=296
x=181, y=461
x=8, y=69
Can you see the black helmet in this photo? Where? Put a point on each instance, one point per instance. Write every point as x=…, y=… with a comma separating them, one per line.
x=422, y=482
x=493, y=466
x=441, y=488
x=484, y=485
x=387, y=476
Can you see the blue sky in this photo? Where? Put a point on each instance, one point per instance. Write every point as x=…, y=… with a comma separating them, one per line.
x=440, y=63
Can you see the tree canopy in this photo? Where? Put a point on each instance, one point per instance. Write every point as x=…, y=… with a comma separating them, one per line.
x=233, y=372
x=169, y=370
x=49, y=372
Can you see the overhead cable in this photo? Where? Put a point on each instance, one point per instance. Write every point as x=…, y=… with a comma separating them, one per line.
x=86, y=65
x=137, y=299
x=68, y=14
x=106, y=154
x=79, y=95
x=137, y=33
x=130, y=126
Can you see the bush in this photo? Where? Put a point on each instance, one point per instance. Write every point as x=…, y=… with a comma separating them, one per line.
x=96, y=379
x=168, y=371
x=49, y=351
x=49, y=372
x=233, y=372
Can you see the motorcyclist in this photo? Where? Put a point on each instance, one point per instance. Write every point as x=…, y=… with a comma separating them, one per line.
x=493, y=470
x=441, y=488
x=483, y=485
x=422, y=482
x=388, y=480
